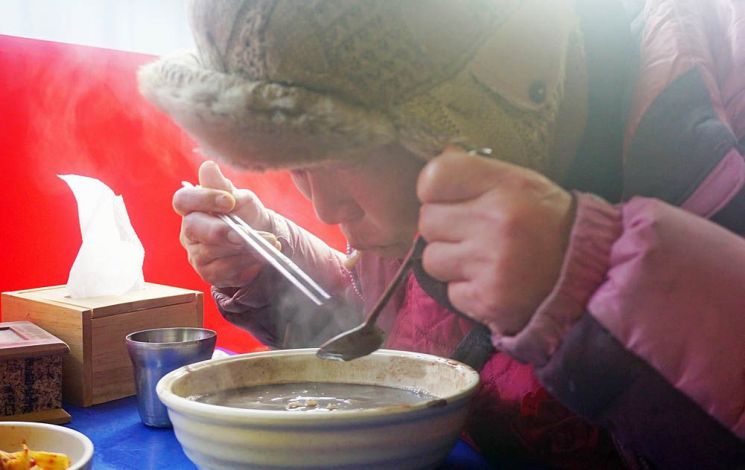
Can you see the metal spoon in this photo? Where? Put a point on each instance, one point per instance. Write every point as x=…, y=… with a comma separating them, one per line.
x=367, y=338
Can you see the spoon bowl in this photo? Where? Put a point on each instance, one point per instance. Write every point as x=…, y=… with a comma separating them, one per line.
x=367, y=338
x=357, y=342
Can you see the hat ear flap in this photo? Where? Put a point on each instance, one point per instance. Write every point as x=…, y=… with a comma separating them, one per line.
x=500, y=63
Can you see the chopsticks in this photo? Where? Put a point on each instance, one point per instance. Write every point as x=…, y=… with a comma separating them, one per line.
x=276, y=258
x=273, y=256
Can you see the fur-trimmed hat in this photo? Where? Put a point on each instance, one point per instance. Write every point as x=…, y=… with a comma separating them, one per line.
x=285, y=83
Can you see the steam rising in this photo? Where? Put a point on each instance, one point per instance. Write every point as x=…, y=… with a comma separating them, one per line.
x=286, y=318
x=306, y=325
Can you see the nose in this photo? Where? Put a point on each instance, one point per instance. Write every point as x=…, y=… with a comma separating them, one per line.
x=333, y=203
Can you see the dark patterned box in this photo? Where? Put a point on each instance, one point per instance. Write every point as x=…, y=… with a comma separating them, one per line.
x=97, y=368
x=30, y=369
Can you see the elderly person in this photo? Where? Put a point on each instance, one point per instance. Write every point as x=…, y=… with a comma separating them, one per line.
x=560, y=266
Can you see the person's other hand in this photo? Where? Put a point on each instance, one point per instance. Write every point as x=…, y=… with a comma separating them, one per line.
x=215, y=252
x=496, y=234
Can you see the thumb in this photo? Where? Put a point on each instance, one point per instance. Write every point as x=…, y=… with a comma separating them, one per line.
x=245, y=203
x=211, y=177
x=458, y=176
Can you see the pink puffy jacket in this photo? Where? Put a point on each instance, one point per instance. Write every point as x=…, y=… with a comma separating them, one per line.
x=644, y=334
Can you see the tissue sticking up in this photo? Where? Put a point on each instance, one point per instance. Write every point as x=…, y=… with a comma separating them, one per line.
x=110, y=258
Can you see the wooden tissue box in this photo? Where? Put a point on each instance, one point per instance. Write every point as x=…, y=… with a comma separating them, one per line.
x=30, y=374
x=98, y=368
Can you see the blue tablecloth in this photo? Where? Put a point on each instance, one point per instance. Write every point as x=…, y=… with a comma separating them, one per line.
x=122, y=442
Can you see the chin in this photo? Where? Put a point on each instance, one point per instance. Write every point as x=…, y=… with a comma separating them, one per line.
x=395, y=249
x=392, y=251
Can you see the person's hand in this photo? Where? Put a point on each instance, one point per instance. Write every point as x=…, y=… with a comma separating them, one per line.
x=215, y=252
x=496, y=234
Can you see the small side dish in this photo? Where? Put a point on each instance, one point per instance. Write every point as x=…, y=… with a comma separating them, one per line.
x=27, y=445
x=26, y=459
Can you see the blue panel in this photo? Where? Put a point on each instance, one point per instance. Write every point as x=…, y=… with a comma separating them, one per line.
x=122, y=442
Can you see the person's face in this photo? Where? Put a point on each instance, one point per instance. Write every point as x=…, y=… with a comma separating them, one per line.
x=373, y=199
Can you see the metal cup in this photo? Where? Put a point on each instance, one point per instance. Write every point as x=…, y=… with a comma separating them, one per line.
x=155, y=353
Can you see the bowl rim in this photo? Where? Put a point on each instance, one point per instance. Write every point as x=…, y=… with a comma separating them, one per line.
x=210, y=336
x=87, y=443
x=283, y=418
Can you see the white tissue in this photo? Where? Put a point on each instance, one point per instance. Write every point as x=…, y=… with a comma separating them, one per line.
x=110, y=258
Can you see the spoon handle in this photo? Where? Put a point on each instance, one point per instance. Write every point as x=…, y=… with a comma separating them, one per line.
x=415, y=253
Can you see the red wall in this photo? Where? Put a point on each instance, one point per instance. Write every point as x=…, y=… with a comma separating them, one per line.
x=73, y=109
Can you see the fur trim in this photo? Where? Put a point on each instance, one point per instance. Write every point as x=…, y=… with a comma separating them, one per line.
x=260, y=125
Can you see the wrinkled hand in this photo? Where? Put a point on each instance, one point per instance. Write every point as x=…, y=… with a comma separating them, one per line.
x=497, y=235
x=215, y=252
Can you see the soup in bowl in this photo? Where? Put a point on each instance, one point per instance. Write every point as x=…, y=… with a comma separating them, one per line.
x=290, y=409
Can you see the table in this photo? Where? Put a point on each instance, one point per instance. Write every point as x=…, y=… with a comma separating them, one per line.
x=122, y=442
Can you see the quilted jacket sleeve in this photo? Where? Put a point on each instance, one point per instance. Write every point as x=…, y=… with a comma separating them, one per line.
x=276, y=312
x=645, y=332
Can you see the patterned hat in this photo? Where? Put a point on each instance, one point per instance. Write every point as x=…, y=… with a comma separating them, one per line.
x=285, y=83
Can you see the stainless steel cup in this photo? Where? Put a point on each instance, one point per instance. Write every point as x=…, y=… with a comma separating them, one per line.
x=155, y=353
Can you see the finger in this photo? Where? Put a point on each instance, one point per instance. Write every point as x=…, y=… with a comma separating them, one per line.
x=444, y=261
x=187, y=200
x=443, y=222
x=242, y=277
x=204, y=253
x=250, y=208
x=210, y=176
x=464, y=296
x=271, y=238
x=457, y=176
x=229, y=271
x=200, y=227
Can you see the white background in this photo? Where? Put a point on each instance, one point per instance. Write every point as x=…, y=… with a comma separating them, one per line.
x=147, y=26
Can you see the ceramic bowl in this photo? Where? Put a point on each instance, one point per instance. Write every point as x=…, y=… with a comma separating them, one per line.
x=405, y=436
x=49, y=438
